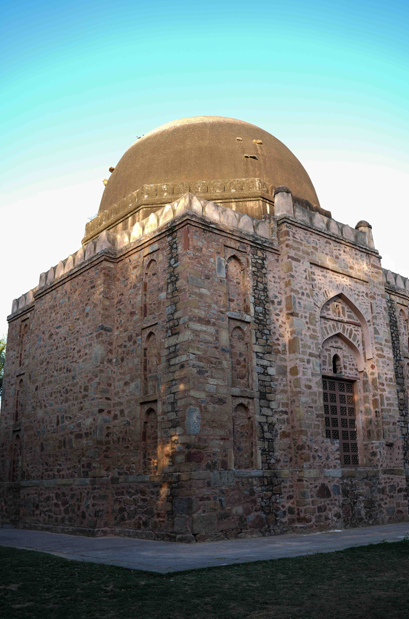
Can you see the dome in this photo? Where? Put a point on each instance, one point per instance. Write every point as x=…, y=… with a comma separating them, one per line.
x=207, y=148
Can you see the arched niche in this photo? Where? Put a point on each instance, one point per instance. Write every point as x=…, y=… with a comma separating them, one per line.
x=150, y=442
x=236, y=284
x=364, y=325
x=355, y=350
x=150, y=289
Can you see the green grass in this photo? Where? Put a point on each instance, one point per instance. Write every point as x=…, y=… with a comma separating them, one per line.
x=370, y=582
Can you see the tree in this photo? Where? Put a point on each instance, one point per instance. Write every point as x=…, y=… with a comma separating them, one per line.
x=2, y=357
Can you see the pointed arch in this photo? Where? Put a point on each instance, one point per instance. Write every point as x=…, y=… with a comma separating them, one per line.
x=364, y=325
x=150, y=288
x=150, y=364
x=242, y=437
x=336, y=364
x=236, y=284
x=239, y=357
x=150, y=442
x=357, y=353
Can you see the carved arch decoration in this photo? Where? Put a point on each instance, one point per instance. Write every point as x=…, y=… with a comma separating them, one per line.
x=403, y=313
x=329, y=295
x=238, y=255
x=349, y=342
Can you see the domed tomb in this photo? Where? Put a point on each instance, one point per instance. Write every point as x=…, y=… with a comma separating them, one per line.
x=224, y=160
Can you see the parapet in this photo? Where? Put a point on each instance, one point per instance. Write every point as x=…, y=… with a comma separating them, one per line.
x=394, y=280
x=115, y=241
x=286, y=206
x=23, y=301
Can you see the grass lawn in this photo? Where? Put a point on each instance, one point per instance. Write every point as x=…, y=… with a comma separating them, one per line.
x=370, y=582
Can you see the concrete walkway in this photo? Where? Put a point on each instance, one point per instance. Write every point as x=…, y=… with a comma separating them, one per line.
x=164, y=557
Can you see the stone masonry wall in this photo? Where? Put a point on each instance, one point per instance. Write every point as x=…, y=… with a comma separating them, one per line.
x=400, y=365
x=138, y=361
x=314, y=270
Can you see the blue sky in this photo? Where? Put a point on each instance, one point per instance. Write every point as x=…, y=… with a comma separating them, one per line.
x=80, y=80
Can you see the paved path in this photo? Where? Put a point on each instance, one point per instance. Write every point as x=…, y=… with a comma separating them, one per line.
x=167, y=557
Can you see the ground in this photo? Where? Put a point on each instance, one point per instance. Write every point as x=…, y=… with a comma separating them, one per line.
x=370, y=582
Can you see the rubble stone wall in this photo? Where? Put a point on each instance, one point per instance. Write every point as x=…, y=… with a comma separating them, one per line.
x=168, y=385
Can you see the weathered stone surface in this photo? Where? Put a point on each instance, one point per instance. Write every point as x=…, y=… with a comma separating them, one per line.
x=229, y=218
x=123, y=239
x=319, y=221
x=212, y=211
x=166, y=214
x=193, y=418
x=59, y=270
x=204, y=524
x=263, y=229
x=79, y=256
x=69, y=265
x=220, y=267
x=89, y=250
x=246, y=224
x=50, y=276
x=283, y=203
x=185, y=505
x=348, y=233
x=136, y=232
x=223, y=478
x=151, y=224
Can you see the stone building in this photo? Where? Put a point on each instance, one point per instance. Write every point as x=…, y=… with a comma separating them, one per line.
x=221, y=358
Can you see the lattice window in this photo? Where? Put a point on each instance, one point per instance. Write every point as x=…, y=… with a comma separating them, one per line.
x=340, y=424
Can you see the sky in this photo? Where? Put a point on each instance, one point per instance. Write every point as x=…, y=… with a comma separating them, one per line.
x=79, y=81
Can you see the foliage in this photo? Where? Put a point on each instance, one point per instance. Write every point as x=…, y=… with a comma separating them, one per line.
x=370, y=581
x=2, y=358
